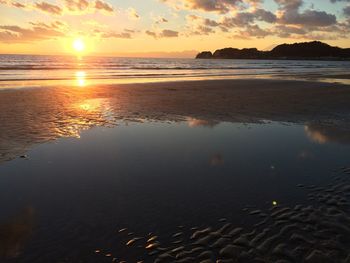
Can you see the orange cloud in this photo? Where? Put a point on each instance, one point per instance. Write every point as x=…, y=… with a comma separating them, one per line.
x=76, y=5
x=48, y=8
x=39, y=31
x=220, y=6
x=165, y=33
x=18, y=5
x=103, y=6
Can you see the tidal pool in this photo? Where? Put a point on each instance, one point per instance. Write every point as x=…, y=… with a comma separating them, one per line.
x=82, y=199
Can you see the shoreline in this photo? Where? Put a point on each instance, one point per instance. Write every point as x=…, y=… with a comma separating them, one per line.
x=82, y=79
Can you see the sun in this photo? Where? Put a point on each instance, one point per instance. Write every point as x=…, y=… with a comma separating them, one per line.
x=78, y=45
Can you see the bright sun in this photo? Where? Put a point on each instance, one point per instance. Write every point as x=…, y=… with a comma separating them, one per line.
x=78, y=45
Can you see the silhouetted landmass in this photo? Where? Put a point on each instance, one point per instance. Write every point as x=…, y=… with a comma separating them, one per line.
x=307, y=50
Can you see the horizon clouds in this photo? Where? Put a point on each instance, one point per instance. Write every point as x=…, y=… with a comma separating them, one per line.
x=170, y=22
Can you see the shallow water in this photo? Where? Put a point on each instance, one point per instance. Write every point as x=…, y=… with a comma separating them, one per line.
x=70, y=197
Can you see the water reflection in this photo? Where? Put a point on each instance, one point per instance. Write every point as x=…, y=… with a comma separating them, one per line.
x=36, y=116
x=193, y=122
x=15, y=232
x=80, y=77
x=328, y=133
x=31, y=116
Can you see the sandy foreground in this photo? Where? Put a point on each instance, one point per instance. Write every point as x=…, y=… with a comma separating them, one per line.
x=35, y=115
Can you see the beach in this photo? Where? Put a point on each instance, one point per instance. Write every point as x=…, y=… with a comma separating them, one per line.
x=56, y=112
x=96, y=169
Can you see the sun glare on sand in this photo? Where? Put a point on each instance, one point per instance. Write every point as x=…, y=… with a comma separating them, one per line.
x=78, y=45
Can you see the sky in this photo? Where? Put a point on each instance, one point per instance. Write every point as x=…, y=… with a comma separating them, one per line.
x=169, y=28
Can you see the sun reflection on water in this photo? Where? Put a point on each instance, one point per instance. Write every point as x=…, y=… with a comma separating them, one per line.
x=80, y=77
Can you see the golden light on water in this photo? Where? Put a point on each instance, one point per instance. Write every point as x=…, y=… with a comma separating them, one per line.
x=80, y=77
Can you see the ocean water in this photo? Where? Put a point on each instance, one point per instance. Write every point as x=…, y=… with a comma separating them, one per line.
x=31, y=70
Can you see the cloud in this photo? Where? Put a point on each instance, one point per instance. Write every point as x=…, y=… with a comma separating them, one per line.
x=210, y=22
x=39, y=31
x=55, y=24
x=103, y=6
x=132, y=13
x=76, y=5
x=289, y=4
x=151, y=33
x=239, y=18
x=126, y=34
x=18, y=5
x=284, y=31
x=290, y=14
x=309, y=18
x=169, y=33
x=220, y=6
x=84, y=6
x=197, y=25
x=243, y=21
x=13, y=3
x=266, y=16
x=346, y=11
x=165, y=33
x=288, y=22
x=160, y=20
x=252, y=31
x=203, y=30
x=48, y=8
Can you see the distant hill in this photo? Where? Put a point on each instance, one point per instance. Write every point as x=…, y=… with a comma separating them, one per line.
x=315, y=50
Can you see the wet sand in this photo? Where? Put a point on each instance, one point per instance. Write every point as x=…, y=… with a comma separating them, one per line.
x=36, y=115
x=316, y=230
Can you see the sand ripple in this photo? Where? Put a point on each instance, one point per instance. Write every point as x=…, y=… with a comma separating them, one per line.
x=316, y=231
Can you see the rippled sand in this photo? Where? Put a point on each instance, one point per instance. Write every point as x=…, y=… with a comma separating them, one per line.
x=315, y=231
x=30, y=116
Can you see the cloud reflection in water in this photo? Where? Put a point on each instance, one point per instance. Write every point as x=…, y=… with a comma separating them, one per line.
x=323, y=134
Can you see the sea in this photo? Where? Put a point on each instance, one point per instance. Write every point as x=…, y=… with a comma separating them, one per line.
x=39, y=70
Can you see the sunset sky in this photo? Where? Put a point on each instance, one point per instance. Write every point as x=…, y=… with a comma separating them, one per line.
x=178, y=27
